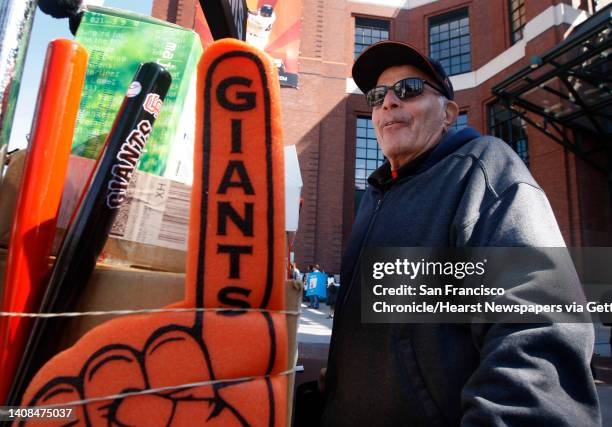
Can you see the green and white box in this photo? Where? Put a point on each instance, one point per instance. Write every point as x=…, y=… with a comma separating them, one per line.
x=117, y=42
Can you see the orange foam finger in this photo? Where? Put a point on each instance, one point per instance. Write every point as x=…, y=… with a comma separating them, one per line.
x=165, y=350
x=39, y=198
x=235, y=260
x=237, y=222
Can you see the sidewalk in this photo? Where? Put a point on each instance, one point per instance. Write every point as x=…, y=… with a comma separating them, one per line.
x=314, y=333
x=314, y=325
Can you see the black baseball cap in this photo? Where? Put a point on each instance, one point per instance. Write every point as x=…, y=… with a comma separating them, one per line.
x=378, y=57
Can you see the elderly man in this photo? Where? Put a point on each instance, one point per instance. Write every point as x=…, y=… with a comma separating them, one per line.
x=446, y=188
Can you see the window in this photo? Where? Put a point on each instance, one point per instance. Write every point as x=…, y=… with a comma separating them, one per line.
x=517, y=19
x=369, y=31
x=368, y=156
x=449, y=41
x=461, y=121
x=510, y=127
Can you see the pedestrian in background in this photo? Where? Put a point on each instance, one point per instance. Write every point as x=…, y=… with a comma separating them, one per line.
x=315, y=286
x=296, y=274
x=332, y=292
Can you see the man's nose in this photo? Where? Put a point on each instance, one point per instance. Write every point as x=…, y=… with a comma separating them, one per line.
x=390, y=101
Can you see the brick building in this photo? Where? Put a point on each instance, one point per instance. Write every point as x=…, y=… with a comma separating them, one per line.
x=480, y=43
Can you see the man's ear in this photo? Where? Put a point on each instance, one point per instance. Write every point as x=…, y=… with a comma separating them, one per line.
x=451, y=110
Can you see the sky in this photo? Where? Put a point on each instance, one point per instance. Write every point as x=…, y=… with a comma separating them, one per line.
x=44, y=30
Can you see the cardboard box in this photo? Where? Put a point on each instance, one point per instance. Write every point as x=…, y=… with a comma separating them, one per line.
x=126, y=247
x=151, y=228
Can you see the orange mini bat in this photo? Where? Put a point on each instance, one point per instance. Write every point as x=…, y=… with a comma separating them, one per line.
x=39, y=198
x=235, y=261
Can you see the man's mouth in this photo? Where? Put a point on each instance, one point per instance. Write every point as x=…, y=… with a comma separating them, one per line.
x=391, y=123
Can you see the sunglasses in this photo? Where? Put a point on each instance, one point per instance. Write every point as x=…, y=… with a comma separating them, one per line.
x=404, y=89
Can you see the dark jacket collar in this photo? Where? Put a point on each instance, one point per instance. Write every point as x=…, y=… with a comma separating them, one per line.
x=381, y=177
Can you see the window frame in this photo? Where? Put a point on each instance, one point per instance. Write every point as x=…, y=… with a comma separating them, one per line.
x=520, y=145
x=368, y=146
x=443, y=49
x=463, y=113
x=522, y=20
x=373, y=21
